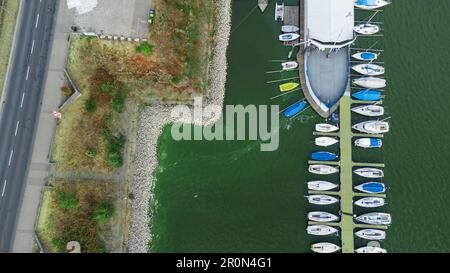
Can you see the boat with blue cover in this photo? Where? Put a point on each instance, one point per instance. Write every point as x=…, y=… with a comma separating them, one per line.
x=295, y=109
x=368, y=95
x=371, y=187
x=371, y=4
x=365, y=56
x=323, y=156
x=369, y=143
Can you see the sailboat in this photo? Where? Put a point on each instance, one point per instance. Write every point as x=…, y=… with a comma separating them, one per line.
x=369, y=143
x=323, y=169
x=370, y=82
x=322, y=216
x=369, y=110
x=325, y=141
x=370, y=202
x=371, y=249
x=368, y=95
x=367, y=29
x=323, y=156
x=371, y=234
x=290, y=28
x=370, y=173
x=371, y=4
x=365, y=56
x=263, y=4
x=371, y=187
x=375, y=218
x=369, y=69
x=326, y=128
x=322, y=200
x=325, y=248
x=289, y=37
x=295, y=109
x=289, y=65
x=321, y=230
x=321, y=186
x=372, y=127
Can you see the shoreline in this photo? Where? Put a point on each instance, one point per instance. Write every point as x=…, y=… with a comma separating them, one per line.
x=151, y=125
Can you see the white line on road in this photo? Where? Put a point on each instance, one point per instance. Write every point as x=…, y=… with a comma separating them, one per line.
x=32, y=47
x=17, y=128
x=4, y=188
x=37, y=21
x=10, y=158
x=28, y=73
x=23, y=98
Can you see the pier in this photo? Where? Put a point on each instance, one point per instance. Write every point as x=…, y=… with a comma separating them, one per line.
x=291, y=17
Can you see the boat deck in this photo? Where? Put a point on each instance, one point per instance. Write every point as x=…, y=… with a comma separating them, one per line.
x=291, y=17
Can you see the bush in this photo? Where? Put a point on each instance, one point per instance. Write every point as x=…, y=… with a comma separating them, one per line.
x=90, y=105
x=104, y=212
x=92, y=153
x=118, y=102
x=145, y=48
x=106, y=87
x=114, y=147
x=67, y=202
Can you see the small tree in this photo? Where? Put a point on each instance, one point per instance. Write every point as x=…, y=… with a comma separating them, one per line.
x=145, y=48
x=106, y=87
x=104, y=212
x=118, y=102
x=90, y=105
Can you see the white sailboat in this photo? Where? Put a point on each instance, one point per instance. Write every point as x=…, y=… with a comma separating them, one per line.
x=322, y=216
x=370, y=202
x=321, y=186
x=370, y=82
x=322, y=200
x=370, y=173
x=263, y=4
x=326, y=128
x=371, y=4
x=325, y=141
x=372, y=127
x=290, y=28
x=371, y=234
x=321, y=230
x=369, y=110
x=323, y=169
x=367, y=29
x=368, y=143
x=369, y=69
x=289, y=65
x=289, y=37
x=375, y=218
x=325, y=248
x=371, y=249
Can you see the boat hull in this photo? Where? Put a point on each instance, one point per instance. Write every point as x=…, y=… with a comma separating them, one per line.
x=372, y=127
x=325, y=141
x=321, y=186
x=376, y=218
x=365, y=56
x=367, y=29
x=289, y=37
x=321, y=230
x=370, y=82
x=369, y=110
x=370, y=202
x=322, y=217
x=290, y=29
x=325, y=248
x=371, y=187
x=369, y=143
x=323, y=169
x=368, y=95
x=295, y=109
x=323, y=156
x=371, y=234
x=322, y=200
x=371, y=250
x=369, y=69
x=370, y=173
x=326, y=128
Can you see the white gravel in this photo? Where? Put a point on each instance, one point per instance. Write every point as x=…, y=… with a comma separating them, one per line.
x=152, y=123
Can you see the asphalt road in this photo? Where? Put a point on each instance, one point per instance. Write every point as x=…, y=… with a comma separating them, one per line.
x=20, y=112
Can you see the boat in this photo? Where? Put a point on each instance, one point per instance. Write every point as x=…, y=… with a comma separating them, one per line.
x=263, y=4
x=323, y=156
x=375, y=218
x=370, y=173
x=321, y=186
x=325, y=141
x=326, y=128
x=365, y=56
x=371, y=249
x=370, y=82
x=290, y=28
x=322, y=169
x=372, y=127
x=279, y=11
x=322, y=200
x=295, y=109
x=322, y=216
x=367, y=29
x=321, y=230
x=371, y=187
x=289, y=37
x=288, y=86
x=370, y=202
x=289, y=65
x=368, y=95
x=325, y=248
x=371, y=234
x=369, y=143
x=369, y=69
x=371, y=4
x=369, y=110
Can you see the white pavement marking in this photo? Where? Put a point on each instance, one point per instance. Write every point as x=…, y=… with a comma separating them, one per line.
x=10, y=158
x=32, y=47
x=28, y=73
x=17, y=128
x=23, y=98
x=4, y=188
x=37, y=21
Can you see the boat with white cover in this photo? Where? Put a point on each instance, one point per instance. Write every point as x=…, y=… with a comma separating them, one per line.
x=369, y=110
x=371, y=250
x=371, y=234
x=368, y=143
x=375, y=218
x=263, y=4
x=322, y=216
x=290, y=28
x=370, y=173
x=369, y=69
x=289, y=65
x=367, y=29
x=321, y=186
x=371, y=4
x=325, y=141
x=370, y=202
x=370, y=82
x=321, y=230
x=325, y=248
x=322, y=199
x=323, y=169
x=372, y=127
x=289, y=37
x=326, y=128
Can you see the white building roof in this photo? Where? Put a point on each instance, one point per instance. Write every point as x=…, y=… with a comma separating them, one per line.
x=330, y=21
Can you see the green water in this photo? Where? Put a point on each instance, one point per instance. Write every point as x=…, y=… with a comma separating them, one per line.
x=230, y=197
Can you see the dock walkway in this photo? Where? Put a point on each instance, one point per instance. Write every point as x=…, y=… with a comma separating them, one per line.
x=291, y=17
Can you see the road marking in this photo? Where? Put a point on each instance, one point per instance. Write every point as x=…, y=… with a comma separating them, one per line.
x=37, y=21
x=4, y=188
x=10, y=158
x=28, y=73
x=23, y=98
x=17, y=128
x=32, y=47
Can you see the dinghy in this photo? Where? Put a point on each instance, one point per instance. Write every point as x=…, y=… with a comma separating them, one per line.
x=321, y=186
x=370, y=82
x=371, y=234
x=323, y=156
x=289, y=37
x=279, y=11
x=369, y=110
x=369, y=69
x=370, y=202
x=365, y=56
x=288, y=86
x=368, y=143
x=289, y=66
x=321, y=230
x=325, y=141
x=371, y=250
x=290, y=28
x=367, y=29
x=375, y=218
x=371, y=4
x=322, y=169
x=322, y=216
x=370, y=173
x=368, y=95
x=372, y=127
x=371, y=187
x=326, y=128
x=325, y=248
x=263, y=4
x=322, y=200
x=295, y=109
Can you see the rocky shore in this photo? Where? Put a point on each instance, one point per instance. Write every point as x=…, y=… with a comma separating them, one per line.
x=152, y=123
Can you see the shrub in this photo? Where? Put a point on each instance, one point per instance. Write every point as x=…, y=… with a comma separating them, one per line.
x=92, y=153
x=106, y=87
x=104, y=212
x=144, y=48
x=67, y=202
x=118, y=102
x=114, y=147
x=90, y=105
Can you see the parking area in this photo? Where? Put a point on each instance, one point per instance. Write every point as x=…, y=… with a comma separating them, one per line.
x=126, y=18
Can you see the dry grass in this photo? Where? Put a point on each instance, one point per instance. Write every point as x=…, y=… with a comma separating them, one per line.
x=57, y=227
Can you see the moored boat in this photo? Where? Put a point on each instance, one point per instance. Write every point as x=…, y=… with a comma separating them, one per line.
x=323, y=169
x=325, y=141
x=367, y=29
x=323, y=156
x=371, y=234
x=322, y=200
x=368, y=95
x=375, y=218
x=371, y=249
x=290, y=28
x=369, y=110
x=321, y=230
x=322, y=216
x=369, y=69
x=326, y=128
x=370, y=202
x=370, y=82
x=365, y=56
x=321, y=186
x=289, y=37
x=372, y=127
x=289, y=86
x=368, y=143
x=279, y=11
x=289, y=65
x=295, y=109
x=263, y=4
x=371, y=187
x=370, y=173
x=325, y=248
x=371, y=4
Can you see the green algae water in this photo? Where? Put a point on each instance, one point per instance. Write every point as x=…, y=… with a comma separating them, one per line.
x=228, y=196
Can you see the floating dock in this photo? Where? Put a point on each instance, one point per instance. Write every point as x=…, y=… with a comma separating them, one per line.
x=291, y=18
